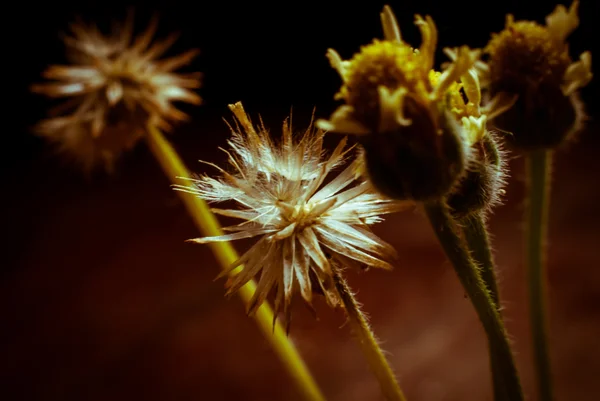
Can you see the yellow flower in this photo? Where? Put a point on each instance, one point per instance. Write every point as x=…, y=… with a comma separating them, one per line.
x=463, y=102
x=389, y=83
x=526, y=54
x=417, y=125
x=531, y=63
x=481, y=187
x=304, y=225
x=116, y=84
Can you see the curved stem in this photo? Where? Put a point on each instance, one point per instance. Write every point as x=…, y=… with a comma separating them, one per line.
x=226, y=255
x=366, y=337
x=457, y=252
x=478, y=240
x=539, y=166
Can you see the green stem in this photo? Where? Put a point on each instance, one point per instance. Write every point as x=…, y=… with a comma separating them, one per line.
x=457, y=252
x=539, y=166
x=478, y=240
x=226, y=255
x=379, y=364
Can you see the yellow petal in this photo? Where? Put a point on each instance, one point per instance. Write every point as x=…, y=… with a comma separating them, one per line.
x=465, y=60
x=561, y=23
x=391, y=29
x=336, y=62
x=429, y=41
x=475, y=128
x=391, y=106
x=499, y=104
x=578, y=74
x=342, y=122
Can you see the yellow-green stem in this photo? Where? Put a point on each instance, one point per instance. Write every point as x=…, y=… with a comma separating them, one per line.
x=539, y=167
x=379, y=364
x=478, y=240
x=226, y=255
x=467, y=271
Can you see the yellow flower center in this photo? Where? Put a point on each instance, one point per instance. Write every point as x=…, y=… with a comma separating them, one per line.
x=381, y=63
x=524, y=55
x=456, y=99
x=301, y=212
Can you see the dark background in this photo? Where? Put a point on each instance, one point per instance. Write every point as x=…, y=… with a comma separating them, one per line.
x=101, y=299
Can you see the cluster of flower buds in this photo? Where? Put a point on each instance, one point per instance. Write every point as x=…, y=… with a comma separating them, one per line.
x=425, y=132
x=420, y=128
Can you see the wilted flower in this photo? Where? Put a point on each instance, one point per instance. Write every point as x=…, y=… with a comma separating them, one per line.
x=531, y=63
x=416, y=124
x=116, y=85
x=303, y=223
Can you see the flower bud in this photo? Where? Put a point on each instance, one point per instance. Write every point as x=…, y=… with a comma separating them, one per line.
x=418, y=162
x=408, y=117
x=481, y=187
x=530, y=63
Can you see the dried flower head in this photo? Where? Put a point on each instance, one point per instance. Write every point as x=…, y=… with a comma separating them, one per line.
x=116, y=84
x=416, y=124
x=303, y=223
x=531, y=62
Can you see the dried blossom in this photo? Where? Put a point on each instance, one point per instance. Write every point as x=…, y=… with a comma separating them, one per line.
x=116, y=84
x=302, y=223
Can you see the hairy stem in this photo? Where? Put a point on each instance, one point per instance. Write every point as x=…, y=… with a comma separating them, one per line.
x=539, y=166
x=478, y=241
x=456, y=250
x=208, y=225
x=360, y=326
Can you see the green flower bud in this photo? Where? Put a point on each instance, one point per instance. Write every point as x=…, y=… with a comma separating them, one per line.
x=482, y=185
x=420, y=161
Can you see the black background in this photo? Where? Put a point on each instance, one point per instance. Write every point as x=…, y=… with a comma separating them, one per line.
x=270, y=55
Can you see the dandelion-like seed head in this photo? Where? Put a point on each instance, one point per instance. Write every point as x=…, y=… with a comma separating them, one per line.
x=530, y=63
x=116, y=85
x=302, y=222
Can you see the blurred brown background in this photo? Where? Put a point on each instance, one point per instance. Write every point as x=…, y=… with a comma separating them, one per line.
x=101, y=298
